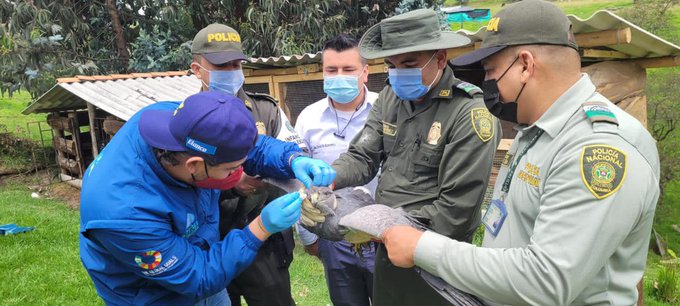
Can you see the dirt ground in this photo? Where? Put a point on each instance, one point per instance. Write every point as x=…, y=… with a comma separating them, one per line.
x=46, y=185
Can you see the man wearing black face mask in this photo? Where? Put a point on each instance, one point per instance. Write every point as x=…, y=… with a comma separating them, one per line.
x=568, y=225
x=217, y=57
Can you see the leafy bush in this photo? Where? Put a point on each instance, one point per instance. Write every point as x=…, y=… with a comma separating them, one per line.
x=159, y=51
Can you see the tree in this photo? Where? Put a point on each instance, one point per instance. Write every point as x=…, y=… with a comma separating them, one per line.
x=45, y=39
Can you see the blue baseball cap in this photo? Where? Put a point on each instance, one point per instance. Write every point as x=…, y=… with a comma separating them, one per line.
x=211, y=124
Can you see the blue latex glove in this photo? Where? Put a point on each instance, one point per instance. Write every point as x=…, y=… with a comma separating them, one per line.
x=312, y=171
x=281, y=213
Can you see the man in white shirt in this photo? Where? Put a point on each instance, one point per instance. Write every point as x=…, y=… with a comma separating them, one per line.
x=327, y=127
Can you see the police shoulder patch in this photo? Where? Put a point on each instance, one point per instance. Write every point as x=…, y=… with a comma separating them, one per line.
x=470, y=89
x=599, y=112
x=603, y=169
x=482, y=123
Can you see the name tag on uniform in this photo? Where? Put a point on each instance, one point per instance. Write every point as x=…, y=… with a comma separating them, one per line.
x=495, y=216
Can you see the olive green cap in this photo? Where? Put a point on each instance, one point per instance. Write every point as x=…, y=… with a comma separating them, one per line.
x=218, y=43
x=528, y=22
x=418, y=30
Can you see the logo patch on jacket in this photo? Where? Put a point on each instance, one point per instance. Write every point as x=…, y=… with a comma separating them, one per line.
x=149, y=260
x=434, y=134
x=482, y=123
x=192, y=226
x=389, y=129
x=603, y=169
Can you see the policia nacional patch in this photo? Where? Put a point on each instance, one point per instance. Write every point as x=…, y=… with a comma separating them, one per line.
x=483, y=123
x=603, y=169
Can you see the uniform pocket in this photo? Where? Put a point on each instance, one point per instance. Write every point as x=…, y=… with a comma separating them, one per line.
x=424, y=170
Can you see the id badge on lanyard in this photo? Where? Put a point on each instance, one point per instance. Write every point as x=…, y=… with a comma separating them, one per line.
x=495, y=216
x=497, y=211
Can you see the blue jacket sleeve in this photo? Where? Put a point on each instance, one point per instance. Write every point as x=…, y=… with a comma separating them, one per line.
x=169, y=260
x=270, y=158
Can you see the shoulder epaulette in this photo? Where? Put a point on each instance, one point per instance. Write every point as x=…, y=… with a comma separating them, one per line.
x=598, y=111
x=469, y=88
x=261, y=96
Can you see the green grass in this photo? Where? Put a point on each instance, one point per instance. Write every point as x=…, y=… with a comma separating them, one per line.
x=308, y=284
x=669, y=214
x=41, y=267
x=14, y=121
x=23, y=155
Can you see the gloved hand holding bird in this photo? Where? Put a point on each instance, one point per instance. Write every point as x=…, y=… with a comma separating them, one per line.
x=351, y=214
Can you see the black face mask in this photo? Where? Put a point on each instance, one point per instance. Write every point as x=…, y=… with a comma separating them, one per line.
x=492, y=96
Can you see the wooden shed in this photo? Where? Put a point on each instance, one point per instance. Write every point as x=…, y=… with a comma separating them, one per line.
x=85, y=111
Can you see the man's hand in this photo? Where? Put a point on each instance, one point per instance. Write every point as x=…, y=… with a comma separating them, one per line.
x=281, y=213
x=401, y=242
x=249, y=185
x=313, y=249
x=312, y=171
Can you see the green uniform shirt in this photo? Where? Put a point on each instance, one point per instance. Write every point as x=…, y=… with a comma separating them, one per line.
x=580, y=211
x=435, y=156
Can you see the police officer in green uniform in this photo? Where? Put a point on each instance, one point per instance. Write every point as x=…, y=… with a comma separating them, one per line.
x=574, y=202
x=217, y=56
x=433, y=137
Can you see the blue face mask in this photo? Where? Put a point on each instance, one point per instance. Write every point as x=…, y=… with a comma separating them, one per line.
x=407, y=83
x=342, y=88
x=226, y=81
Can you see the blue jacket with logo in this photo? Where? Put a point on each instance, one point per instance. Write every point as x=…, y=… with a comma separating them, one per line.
x=148, y=239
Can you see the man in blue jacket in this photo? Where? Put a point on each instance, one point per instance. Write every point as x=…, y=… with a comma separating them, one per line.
x=149, y=214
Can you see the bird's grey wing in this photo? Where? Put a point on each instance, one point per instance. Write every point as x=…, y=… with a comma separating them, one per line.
x=356, y=195
x=287, y=186
x=374, y=219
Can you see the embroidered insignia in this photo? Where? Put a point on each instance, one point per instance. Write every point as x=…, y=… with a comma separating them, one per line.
x=506, y=160
x=149, y=260
x=469, y=88
x=599, y=112
x=445, y=93
x=261, y=129
x=389, y=129
x=435, y=133
x=603, y=169
x=493, y=24
x=483, y=123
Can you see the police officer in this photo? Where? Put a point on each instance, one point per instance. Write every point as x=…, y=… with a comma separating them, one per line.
x=148, y=230
x=217, y=56
x=432, y=136
x=568, y=223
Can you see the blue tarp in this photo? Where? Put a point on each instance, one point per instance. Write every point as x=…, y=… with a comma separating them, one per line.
x=466, y=13
x=11, y=229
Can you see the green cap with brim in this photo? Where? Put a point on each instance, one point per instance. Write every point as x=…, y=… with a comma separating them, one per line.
x=414, y=31
x=218, y=44
x=528, y=22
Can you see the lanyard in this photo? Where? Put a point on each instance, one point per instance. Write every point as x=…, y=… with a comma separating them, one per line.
x=513, y=166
